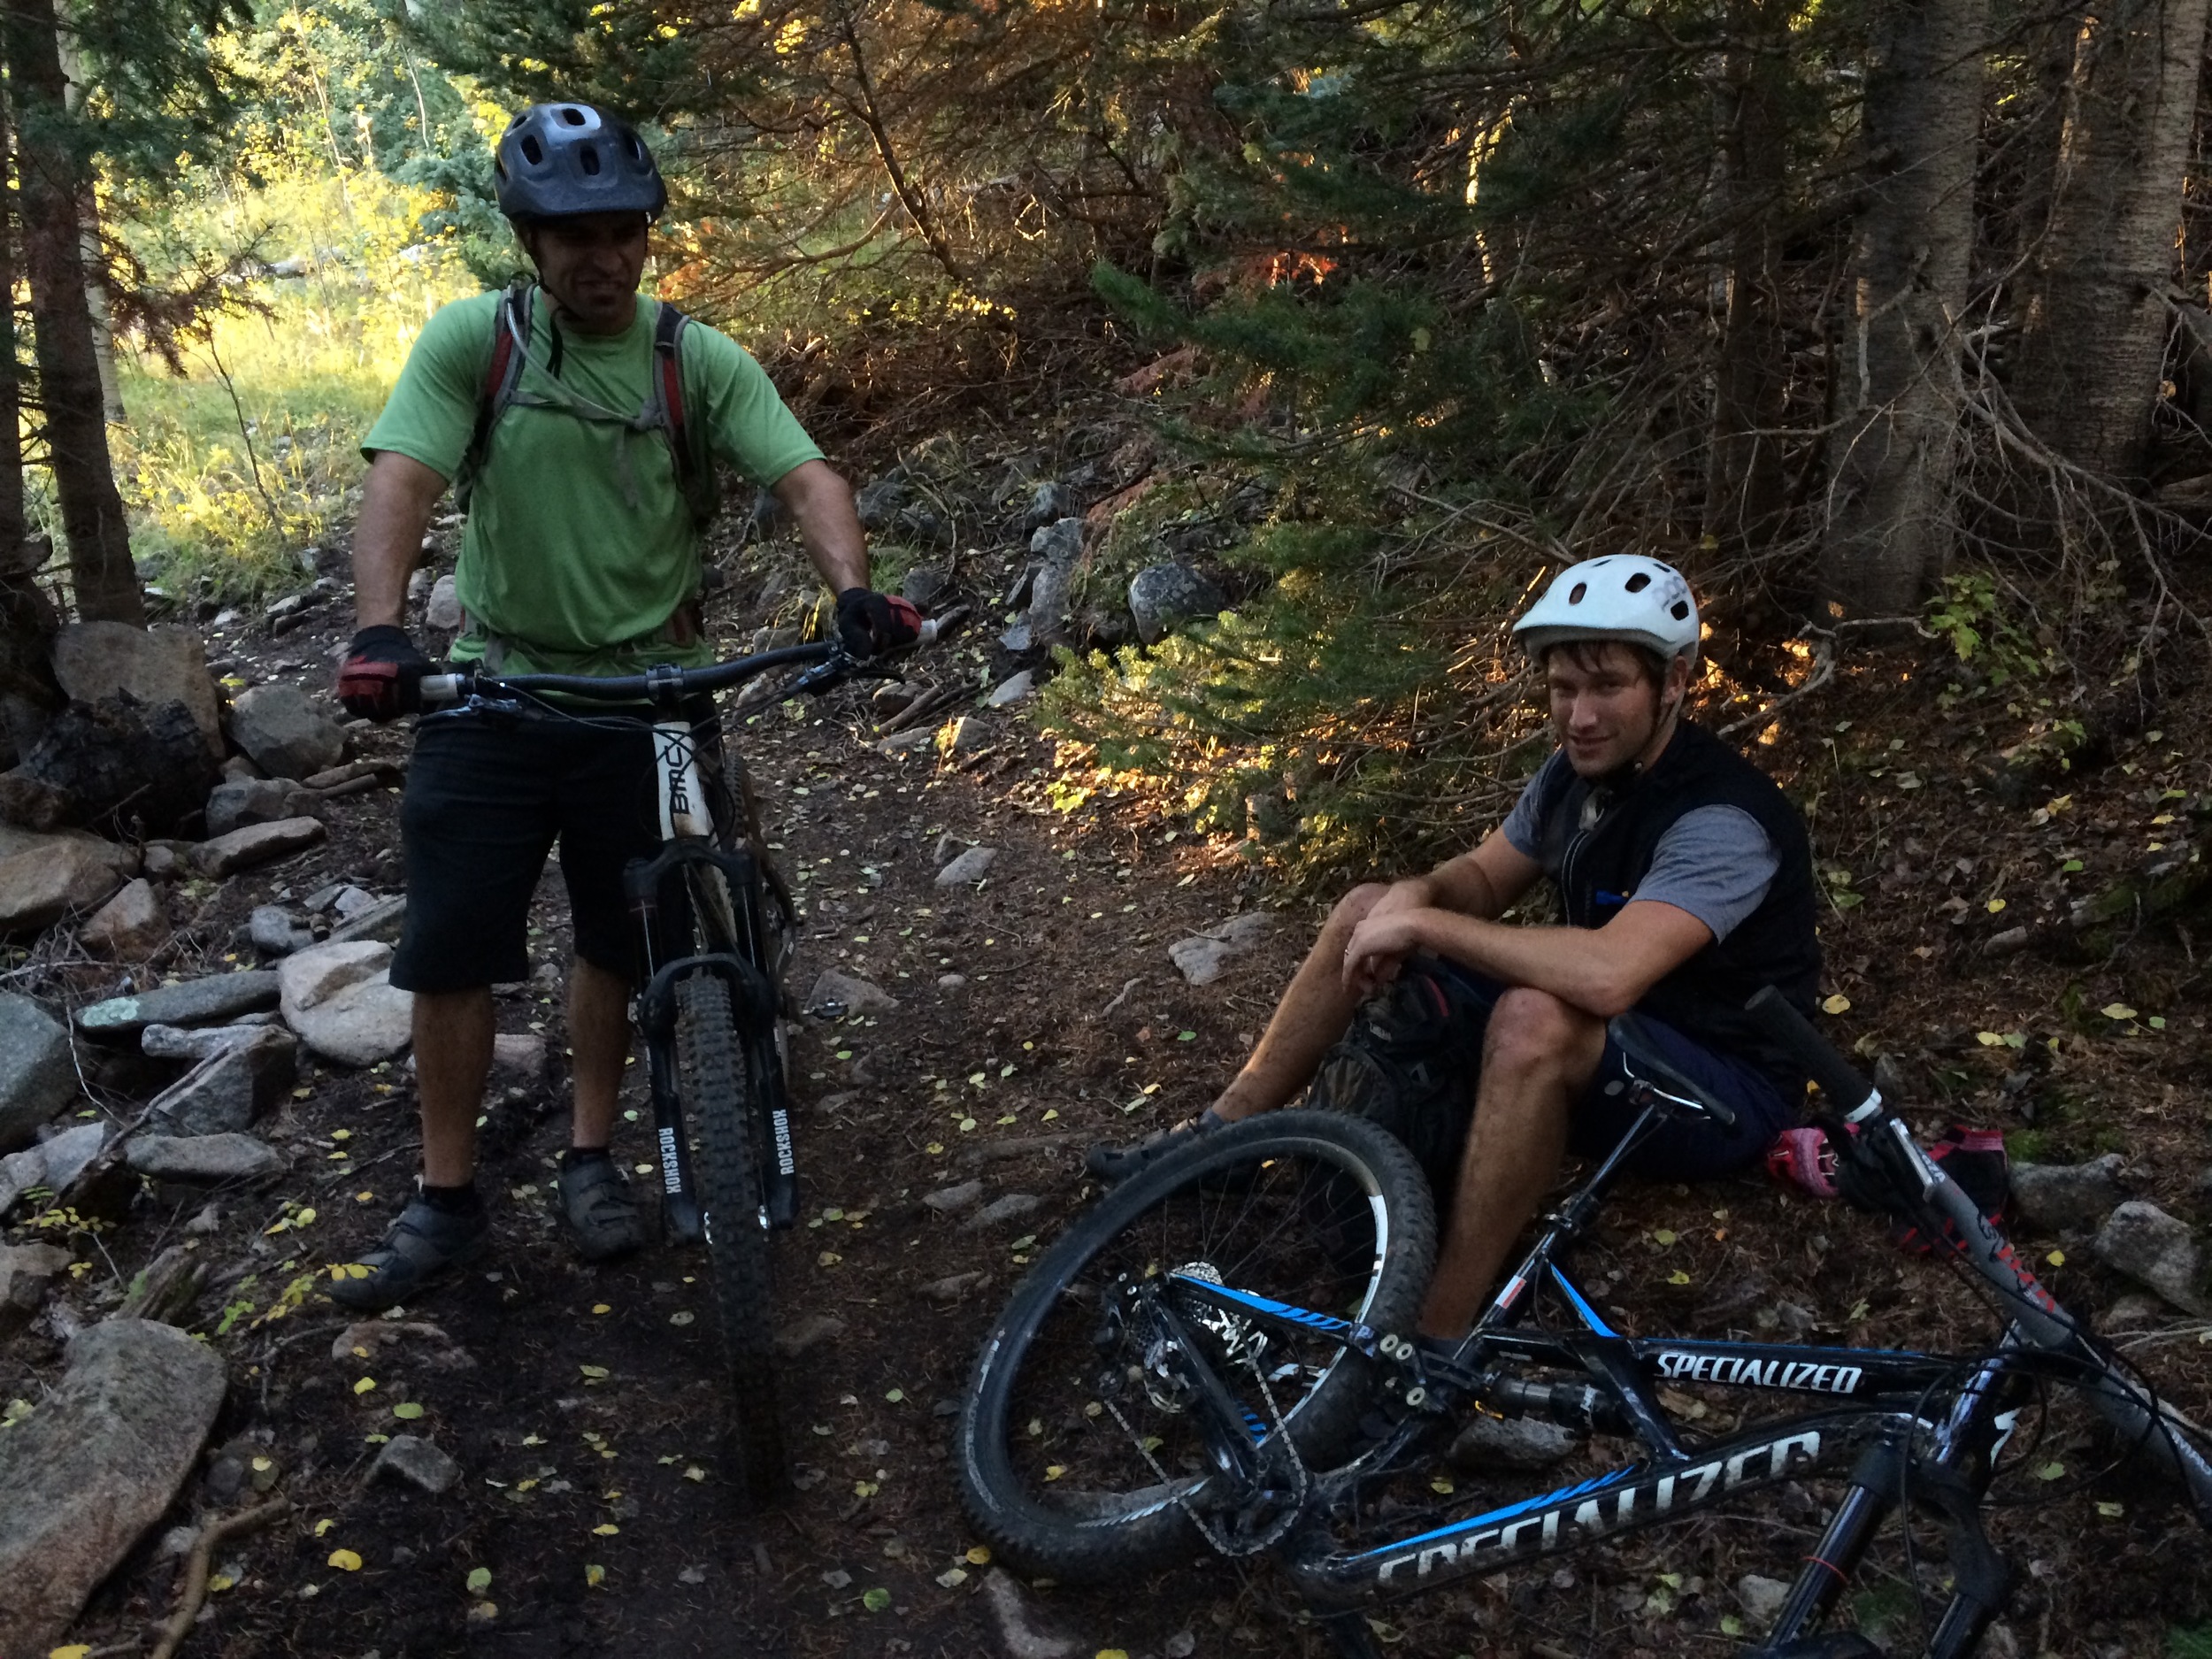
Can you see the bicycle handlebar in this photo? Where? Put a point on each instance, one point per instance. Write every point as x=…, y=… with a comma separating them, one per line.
x=1790, y=1030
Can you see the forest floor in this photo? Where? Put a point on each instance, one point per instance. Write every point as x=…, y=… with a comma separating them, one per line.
x=582, y=1402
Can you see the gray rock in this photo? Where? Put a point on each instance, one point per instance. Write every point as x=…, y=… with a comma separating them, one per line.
x=1059, y=542
x=1202, y=958
x=1492, y=1443
x=878, y=503
x=517, y=1055
x=276, y=932
x=969, y=866
x=240, y=769
x=257, y=844
x=57, y=878
x=238, y=802
x=964, y=736
x=1889, y=1076
x=854, y=995
x=2068, y=1197
x=950, y=1201
x=312, y=976
x=286, y=734
x=1761, y=1598
x=218, y=1158
x=1018, y=637
x=1053, y=589
x=358, y=1024
x=19, y=1173
x=93, y=660
x=951, y=1288
x=38, y=1076
x=908, y=743
x=443, y=610
x=926, y=587
x=1019, y=1631
x=349, y=902
x=130, y=927
x=419, y=1461
x=192, y=1002
x=100, y=1461
x=1012, y=690
x=27, y=1271
x=952, y=982
x=2157, y=1251
x=1008, y=1207
x=1162, y=595
x=1051, y=503
x=381, y=922
x=230, y=1086
x=810, y=1331
x=67, y=1154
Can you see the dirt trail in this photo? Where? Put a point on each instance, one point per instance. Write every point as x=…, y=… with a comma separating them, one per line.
x=582, y=1405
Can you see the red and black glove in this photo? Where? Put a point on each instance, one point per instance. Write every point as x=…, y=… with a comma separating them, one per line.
x=870, y=622
x=381, y=673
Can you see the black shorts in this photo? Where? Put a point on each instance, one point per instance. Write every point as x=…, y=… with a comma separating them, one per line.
x=486, y=800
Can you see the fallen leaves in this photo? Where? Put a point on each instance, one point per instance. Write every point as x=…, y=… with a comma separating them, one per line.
x=345, y=1560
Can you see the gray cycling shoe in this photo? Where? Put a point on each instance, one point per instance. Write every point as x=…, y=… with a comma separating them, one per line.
x=425, y=1243
x=602, y=1214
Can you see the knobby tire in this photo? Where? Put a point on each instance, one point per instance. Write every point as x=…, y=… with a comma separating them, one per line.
x=719, y=1107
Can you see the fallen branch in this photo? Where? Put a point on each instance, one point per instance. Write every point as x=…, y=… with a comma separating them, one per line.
x=1823, y=671
x=1131, y=986
x=928, y=703
x=214, y=1532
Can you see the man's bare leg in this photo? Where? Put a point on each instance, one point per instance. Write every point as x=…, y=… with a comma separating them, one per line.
x=1315, y=1011
x=599, y=1039
x=1538, y=1054
x=453, y=1056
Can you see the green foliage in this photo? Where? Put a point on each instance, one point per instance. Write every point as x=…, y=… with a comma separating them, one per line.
x=1971, y=614
x=2193, y=1643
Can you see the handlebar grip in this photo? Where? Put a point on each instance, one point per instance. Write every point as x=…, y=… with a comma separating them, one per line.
x=1790, y=1030
x=928, y=632
x=435, y=689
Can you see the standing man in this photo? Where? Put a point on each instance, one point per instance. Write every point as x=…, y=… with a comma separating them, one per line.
x=581, y=424
x=1685, y=883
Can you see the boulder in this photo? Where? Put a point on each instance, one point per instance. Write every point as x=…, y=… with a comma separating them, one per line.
x=2068, y=1197
x=156, y=665
x=442, y=612
x=27, y=1271
x=146, y=762
x=2157, y=1251
x=100, y=1461
x=366, y=1022
x=969, y=866
x=276, y=932
x=1059, y=542
x=878, y=503
x=853, y=996
x=203, y=1001
x=416, y=1461
x=130, y=927
x=230, y=1086
x=1162, y=595
x=38, y=1075
x=19, y=1173
x=217, y=1157
x=312, y=976
x=257, y=844
x=1050, y=502
x=238, y=802
x=66, y=1155
x=279, y=726
x=51, y=880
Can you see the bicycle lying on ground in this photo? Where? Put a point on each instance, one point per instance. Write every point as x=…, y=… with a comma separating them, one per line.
x=1193, y=1364
x=714, y=928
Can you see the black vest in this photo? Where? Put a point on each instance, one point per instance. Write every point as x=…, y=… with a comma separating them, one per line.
x=1596, y=867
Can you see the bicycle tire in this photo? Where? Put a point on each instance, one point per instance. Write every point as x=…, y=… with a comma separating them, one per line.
x=1298, y=1178
x=718, y=1105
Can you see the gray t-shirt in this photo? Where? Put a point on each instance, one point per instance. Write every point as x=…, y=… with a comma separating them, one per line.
x=1714, y=862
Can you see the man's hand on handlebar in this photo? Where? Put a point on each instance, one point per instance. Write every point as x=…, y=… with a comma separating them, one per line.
x=870, y=622
x=382, y=669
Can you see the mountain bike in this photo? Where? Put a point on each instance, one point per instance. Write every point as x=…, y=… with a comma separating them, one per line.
x=1217, y=1356
x=714, y=927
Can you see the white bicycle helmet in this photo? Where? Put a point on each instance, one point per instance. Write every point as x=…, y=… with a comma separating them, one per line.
x=1621, y=596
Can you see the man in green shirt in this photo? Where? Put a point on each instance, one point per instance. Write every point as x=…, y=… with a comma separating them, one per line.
x=552, y=410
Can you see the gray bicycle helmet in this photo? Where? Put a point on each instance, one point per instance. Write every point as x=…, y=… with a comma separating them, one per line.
x=558, y=160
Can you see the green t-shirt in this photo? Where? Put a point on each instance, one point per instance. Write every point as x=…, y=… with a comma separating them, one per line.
x=579, y=544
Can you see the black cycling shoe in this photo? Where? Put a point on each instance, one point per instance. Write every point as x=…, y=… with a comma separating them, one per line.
x=598, y=1210
x=425, y=1243
x=1118, y=1164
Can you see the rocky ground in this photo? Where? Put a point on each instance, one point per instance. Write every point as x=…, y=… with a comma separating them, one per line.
x=526, y=1462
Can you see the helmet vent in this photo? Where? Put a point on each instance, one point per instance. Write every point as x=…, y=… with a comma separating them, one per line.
x=1638, y=583
x=1679, y=609
x=573, y=115
x=589, y=156
x=532, y=151
x=1575, y=598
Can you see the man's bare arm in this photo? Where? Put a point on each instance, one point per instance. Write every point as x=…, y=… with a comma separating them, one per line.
x=396, y=500
x=1482, y=883
x=821, y=503
x=1604, y=971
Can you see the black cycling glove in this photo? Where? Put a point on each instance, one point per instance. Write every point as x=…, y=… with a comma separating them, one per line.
x=869, y=622
x=380, y=673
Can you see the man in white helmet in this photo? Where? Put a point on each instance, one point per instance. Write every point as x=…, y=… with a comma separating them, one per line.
x=1685, y=882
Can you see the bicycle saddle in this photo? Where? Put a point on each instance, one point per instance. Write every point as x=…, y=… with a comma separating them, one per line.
x=1631, y=1033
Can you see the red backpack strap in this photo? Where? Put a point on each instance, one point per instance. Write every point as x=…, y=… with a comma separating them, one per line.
x=502, y=373
x=694, y=472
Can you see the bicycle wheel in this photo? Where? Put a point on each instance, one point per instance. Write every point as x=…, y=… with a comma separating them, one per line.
x=720, y=1106
x=1073, y=1462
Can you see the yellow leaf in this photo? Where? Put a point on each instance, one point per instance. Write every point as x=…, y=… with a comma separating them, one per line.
x=1440, y=1484
x=605, y=1529
x=345, y=1560
x=1990, y=1039
x=304, y=1218
x=75, y=1650
x=1665, y=1235
x=1837, y=1005
x=692, y=1471
x=595, y=1373
x=408, y=1408
x=323, y=1527
x=594, y=1576
x=2109, y=1509
x=221, y=1581
x=365, y=1384
x=601, y=1307
x=480, y=1579
x=2117, y=1011
x=2057, y=1258
x=1677, y=1278
x=1053, y=1472
x=1994, y=906
x=979, y=1555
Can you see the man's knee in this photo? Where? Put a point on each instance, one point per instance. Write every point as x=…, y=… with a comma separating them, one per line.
x=1533, y=1030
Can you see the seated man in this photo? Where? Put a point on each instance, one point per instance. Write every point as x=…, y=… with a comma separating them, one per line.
x=1686, y=880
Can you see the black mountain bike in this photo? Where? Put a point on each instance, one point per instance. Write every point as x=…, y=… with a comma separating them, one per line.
x=1194, y=1363
x=714, y=925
